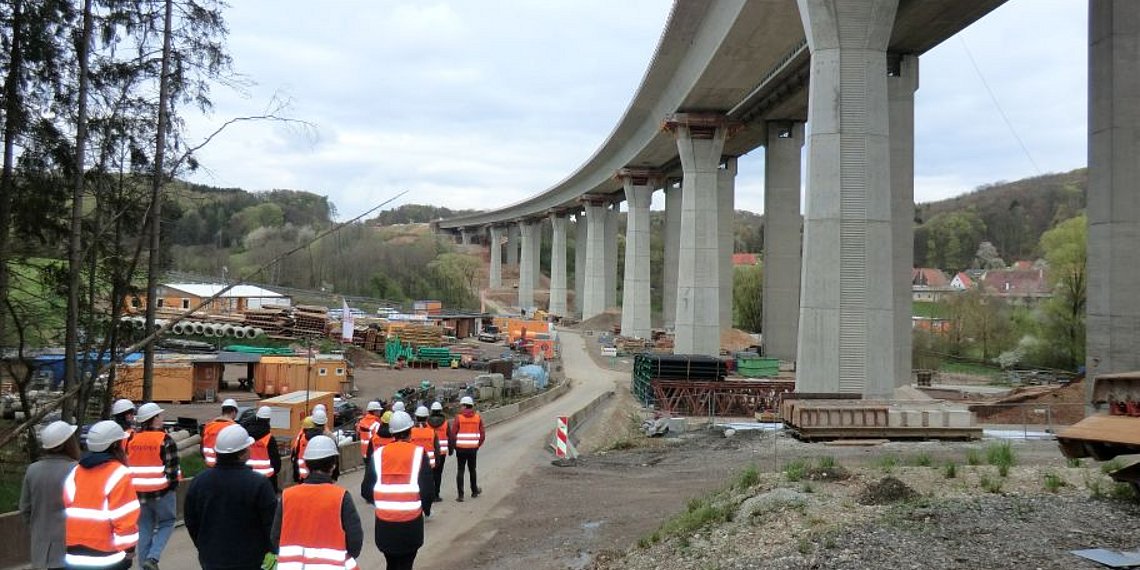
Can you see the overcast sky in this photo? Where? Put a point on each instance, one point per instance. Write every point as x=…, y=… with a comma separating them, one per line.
x=478, y=104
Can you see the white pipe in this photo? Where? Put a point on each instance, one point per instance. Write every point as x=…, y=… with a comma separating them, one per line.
x=199, y=328
x=239, y=332
x=226, y=330
x=256, y=333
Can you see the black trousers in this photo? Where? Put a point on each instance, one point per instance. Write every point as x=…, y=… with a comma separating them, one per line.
x=401, y=561
x=437, y=472
x=466, y=458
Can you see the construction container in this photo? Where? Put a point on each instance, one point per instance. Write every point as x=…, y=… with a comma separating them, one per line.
x=427, y=307
x=758, y=367
x=830, y=419
x=173, y=381
x=275, y=375
x=287, y=411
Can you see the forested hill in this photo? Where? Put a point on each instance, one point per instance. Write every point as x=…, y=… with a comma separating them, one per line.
x=223, y=217
x=415, y=214
x=1010, y=215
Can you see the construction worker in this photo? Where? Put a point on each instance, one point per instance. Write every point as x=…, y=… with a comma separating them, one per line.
x=438, y=422
x=155, y=473
x=297, y=451
x=466, y=437
x=424, y=436
x=368, y=426
x=316, y=525
x=264, y=457
x=398, y=483
x=123, y=413
x=101, y=504
x=41, y=503
x=211, y=430
x=229, y=509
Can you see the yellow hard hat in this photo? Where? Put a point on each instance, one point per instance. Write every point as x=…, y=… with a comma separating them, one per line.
x=387, y=416
x=307, y=423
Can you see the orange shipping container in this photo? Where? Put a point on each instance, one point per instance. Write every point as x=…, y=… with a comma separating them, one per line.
x=289, y=410
x=173, y=382
x=275, y=375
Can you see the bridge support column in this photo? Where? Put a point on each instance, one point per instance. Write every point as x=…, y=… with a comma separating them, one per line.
x=700, y=141
x=496, y=281
x=782, y=239
x=465, y=236
x=902, y=82
x=611, y=254
x=726, y=211
x=536, y=268
x=1113, y=327
x=635, y=317
x=558, y=264
x=528, y=233
x=594, y=294
x=847, y=326
x=580, y=239
x=513, y=245
x=672, y=244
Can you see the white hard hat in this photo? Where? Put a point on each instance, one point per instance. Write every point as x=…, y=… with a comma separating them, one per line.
x=436, y=407
x=122, y=405
x=229, y=403
x=467, y=401
x=320, y=447
x=147, y=411
x=264, y=412
x=320, y=408
x=399, y=407
x=103, y=434
x=374, y=406
x=320, y=417
x=422, y=412
x=56, y=434
x=400, y=422
x=232, y=439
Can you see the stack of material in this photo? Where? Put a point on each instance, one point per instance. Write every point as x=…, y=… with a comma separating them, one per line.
x=273, y=319
x=465, y=353
x=310, y=320
x=367, y=338
x=439, y=356
x=663, y=345
x=421, y=335
x=757, y=367
x=811, y=419
x=395, y=349
x=649, y=368
x=630, y=345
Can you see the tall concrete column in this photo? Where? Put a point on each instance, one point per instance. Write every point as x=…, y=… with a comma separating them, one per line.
x=580, y=240
x=1114, y=187
x=594, y=293
x=513, y=245
x=635, y=306
x=782, y=239
x=700, y=141
x=611, y=254
x=526, y=266
x=726, y=211
x=465, y=236
x=902, y=82
x=558, y=264
x=672, y=245
x=847, y=335
x=496, y=257
x=536, y=245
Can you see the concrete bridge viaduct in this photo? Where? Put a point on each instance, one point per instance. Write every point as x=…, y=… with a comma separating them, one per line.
x=729, y=76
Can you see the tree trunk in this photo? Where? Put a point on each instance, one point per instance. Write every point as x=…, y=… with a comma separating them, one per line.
x=157, y=180
x=12, y=118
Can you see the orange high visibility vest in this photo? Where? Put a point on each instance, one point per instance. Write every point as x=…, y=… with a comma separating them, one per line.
x=144, y=453
x=441, y=433
x=102, y=514
x=425, y=438
x=396, y=495
x=365, y=429
x=299, y=445
x=210, y=438
x=127, y=439
x=312, y=535
x=467, y=431
x=259, y=457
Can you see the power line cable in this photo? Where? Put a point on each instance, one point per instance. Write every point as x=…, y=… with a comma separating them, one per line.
x=1000, y=110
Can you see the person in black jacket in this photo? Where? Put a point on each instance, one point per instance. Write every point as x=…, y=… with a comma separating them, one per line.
x=229, y=509
x=258, y=427
x=400, y=541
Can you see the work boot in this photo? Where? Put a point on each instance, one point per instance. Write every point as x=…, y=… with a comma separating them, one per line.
x=476, y=492
x=459, y=499
x=150, y=564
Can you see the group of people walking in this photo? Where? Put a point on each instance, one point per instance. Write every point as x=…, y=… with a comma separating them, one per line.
x=114, y=504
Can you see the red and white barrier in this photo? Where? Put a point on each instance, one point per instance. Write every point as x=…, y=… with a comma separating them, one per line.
x=563, y=447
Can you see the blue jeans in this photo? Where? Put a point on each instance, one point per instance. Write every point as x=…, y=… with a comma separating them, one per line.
x=156, y=524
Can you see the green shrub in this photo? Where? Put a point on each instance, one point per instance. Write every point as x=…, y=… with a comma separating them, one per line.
x=1000, y=454
x=1003, y=470
x=921, y=460
x=950, y=470
x=1123, y=492
x=887, y=463
x=990, y=485
x=973, y=457
x=1053, y=482
x=826, y=462
x=795, y=470
x=748, y=478
x=1074, y=462
x=1110, y=466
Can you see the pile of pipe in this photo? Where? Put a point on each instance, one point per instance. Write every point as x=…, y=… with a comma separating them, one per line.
x=197, y=328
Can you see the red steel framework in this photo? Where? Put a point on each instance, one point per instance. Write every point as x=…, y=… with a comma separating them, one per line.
x=728, y=398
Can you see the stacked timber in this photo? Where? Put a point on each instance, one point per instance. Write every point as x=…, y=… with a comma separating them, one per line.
x=273, y=319
x=631, y=345
x=421, y=335
x=310, y=320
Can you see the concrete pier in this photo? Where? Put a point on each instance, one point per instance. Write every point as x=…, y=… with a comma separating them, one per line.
x=902, y=82
x=611, y=254
x=782, y=239
x=726, y=212
x=594, y=294
x=528, y=233
x=558, y=264
x=465, y=236
x=700, y=141
x=672, y=245
x=580, y=240
x=536, y=244
x=635, y=317
x=513, y=245
x=496, y=246
x=847, y=326
x=1114, y=187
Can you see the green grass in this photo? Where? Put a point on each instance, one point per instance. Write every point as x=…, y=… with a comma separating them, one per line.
x=1000, y=454
x=10, y=492
x=747, y=478
x=1054, y=482
x=920, y=460
x=1073, y=462
x=192, y=465
x=795, y=470
x=1110, y=466
x=699, y=514
x=973, y=368
x=887, y=463
x=950, y=470
x=827, y=462
x=990, y=485
x=973, y=457
x=929, y=309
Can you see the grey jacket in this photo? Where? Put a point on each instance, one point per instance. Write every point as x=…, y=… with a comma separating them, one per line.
x=41, y=504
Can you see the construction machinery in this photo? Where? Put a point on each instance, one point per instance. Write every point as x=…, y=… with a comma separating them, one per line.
x=1115, y=428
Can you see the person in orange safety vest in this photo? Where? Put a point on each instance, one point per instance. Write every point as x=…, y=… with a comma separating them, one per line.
x=123, y=413
x=297, y=454
x=424, y=436
x=438, y=422
x=368, y=426
x=211, y=430
x=264, y=458
x=398, y=483
x=100, y=503
x=155, y=472
x=467, y=436
x=316, y=525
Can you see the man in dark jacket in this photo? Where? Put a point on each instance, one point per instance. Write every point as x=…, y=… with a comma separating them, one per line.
x=229, y=510
x=399, y=541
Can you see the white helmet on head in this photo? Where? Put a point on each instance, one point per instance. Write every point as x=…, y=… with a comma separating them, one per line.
x=467, y=401
x=422, y=412
x=320, y=408
x=121, y=406
x=400, y=422
x=320, y=417
x=436, y=407
x=229, y=403
x=265, y=412
x=103, y=434
x=374, y=406
x=320, y=447
x=56, y=434
x=148, y=411
x=399, y=406
x=232, y=439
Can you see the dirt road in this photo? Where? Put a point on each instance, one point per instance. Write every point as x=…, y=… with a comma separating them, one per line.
x=513, y=450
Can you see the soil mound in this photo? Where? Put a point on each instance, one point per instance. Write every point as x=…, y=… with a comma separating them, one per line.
x=886, y=491
x=605, y=321
x=833, y=473
x=734, y=340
